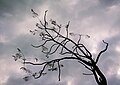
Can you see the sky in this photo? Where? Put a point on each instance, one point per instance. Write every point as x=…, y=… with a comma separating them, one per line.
x=97, y=18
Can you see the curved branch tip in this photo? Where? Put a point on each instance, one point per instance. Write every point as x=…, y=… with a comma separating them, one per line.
x=105, y=42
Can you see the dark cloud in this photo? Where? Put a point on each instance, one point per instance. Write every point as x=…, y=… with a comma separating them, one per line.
x=23, y=42
x=15, y=81
x=47, y=80
x=16, y=6
x=114, y=80
x=109, y=2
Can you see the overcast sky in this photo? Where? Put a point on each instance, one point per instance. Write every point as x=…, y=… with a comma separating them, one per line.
x=98, y=18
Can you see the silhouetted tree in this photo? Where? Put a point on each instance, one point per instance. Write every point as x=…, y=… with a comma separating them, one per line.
x=54, y=41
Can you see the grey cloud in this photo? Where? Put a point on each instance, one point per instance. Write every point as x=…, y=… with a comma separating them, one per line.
x=69, y=11
x=109, y=2
x=4, y=49
x=45, y=80
x=16, y=6
x=23, y=42
x=64, y=12
x=15, y=81
x=14, y=12
x=9, y=7
x=114, y=80
x=7, y=28
x=117, y=25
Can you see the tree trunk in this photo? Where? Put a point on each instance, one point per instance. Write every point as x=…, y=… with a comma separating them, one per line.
x=99, y=77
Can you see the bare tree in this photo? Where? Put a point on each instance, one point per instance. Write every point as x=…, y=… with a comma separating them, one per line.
x=51, y=34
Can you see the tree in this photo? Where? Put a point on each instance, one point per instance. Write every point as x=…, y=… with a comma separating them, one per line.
x=50, y=34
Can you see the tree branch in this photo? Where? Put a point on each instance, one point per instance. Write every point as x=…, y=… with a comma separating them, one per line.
x=77, y=51
x=102, y=51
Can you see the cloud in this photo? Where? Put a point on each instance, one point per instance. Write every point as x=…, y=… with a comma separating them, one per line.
x=108, y=2
x=98, y=18
x=18, y=7
x=114, y=80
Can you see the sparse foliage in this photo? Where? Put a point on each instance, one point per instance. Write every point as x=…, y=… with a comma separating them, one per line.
x=50, y=33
